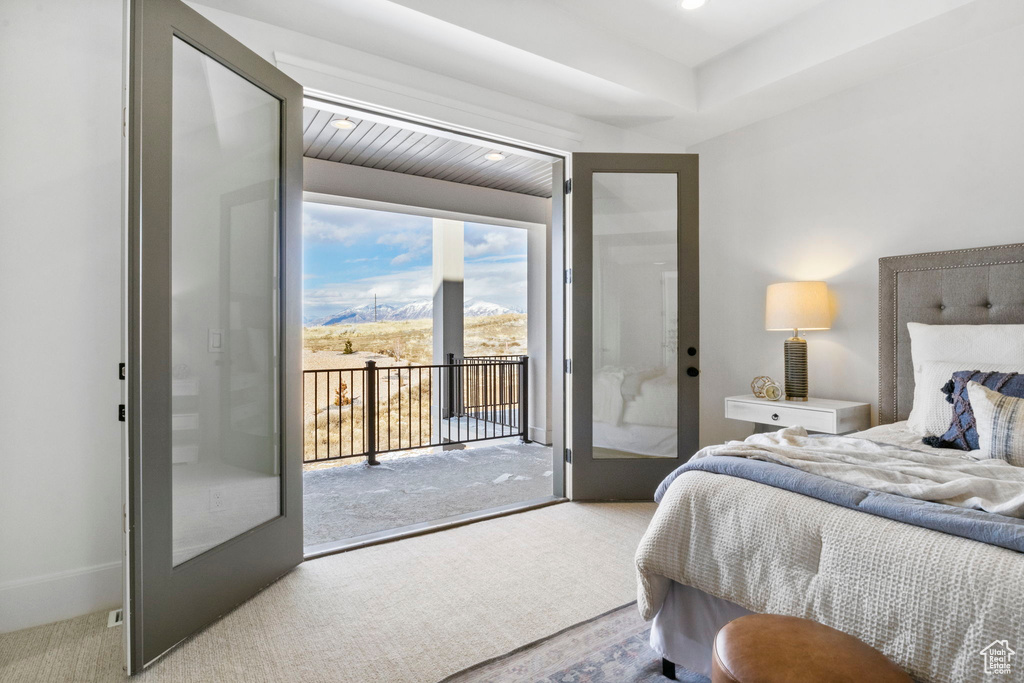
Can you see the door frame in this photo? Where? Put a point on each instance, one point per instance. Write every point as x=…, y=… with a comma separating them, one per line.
x=212, y=590
x=628, y=478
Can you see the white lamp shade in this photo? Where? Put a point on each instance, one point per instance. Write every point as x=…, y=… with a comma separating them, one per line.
x=797, y=306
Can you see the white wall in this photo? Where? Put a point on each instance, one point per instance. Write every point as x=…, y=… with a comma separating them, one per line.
x=60, y=302
x=928, y=158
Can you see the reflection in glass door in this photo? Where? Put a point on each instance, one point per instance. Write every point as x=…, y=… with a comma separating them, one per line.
x=224, y=317
x=635, y=315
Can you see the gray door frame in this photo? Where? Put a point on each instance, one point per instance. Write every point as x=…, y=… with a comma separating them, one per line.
x=556, y=328
x=632, y=478
x=165, y=604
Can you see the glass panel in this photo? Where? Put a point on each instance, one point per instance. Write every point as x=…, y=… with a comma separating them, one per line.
x=225, y=160
x=636, y=315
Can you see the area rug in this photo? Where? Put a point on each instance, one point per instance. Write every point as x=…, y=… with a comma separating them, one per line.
x=611, y=648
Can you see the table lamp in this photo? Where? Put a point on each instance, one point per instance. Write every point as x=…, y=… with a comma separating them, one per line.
x=797, y=306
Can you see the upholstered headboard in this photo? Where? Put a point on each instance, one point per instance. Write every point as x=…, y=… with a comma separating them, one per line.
x=965, y=287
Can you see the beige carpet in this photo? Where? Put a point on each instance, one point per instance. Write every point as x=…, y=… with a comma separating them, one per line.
x=415, y=610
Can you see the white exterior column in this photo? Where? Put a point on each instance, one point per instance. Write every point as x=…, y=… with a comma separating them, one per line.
x=449, y=296
x=449, y=289
x=538, y=313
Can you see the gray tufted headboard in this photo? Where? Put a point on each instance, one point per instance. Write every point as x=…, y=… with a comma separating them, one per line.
x=965, y=287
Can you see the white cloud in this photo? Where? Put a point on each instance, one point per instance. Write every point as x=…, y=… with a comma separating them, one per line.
x=499, y=259
x=416, y=243
x=397, y=288
x=316, y=230
x=403, y=258
x=495, y=263
x=347, y=226
x=501, y=282
x=493, y=242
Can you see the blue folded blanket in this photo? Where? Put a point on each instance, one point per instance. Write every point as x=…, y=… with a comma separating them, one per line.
x=998, y=530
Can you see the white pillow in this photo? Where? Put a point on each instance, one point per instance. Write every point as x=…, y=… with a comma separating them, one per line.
x=967, y=347
x=1000, y=424
x=932, y=413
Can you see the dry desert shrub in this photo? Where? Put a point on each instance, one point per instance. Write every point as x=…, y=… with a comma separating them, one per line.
x=333, y=412
x=403, y=415
x=412, y=340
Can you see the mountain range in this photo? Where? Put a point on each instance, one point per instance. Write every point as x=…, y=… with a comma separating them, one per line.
x=416, y=310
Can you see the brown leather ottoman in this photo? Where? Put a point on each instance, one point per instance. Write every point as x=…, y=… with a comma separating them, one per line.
x=770, y=648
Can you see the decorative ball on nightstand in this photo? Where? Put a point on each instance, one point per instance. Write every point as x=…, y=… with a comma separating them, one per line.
x=766, y=387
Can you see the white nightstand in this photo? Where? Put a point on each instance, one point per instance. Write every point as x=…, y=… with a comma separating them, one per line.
x=814, y=415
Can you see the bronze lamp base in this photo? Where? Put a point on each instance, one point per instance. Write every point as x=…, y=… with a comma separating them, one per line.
x=796, y=368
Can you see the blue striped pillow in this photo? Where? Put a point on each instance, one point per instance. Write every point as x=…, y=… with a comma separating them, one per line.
x=1000, y=421
x=963, y=433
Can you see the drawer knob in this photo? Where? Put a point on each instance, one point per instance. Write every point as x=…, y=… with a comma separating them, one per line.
x=775, y=416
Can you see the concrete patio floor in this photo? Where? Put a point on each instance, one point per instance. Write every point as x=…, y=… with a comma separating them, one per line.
x=352, y=500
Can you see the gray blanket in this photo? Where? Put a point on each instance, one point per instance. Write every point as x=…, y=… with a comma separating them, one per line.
x=978, y=525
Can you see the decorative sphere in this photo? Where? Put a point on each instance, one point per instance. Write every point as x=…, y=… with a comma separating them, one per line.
x=765, y=387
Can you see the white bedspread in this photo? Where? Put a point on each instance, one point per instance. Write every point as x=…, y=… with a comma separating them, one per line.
x=608, y=395
x=989, y=485
x=930, y=601
x=899, y=434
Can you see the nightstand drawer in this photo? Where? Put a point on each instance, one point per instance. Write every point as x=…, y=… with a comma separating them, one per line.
x=778, y=413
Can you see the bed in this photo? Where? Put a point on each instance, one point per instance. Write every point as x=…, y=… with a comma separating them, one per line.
x=635, y=411
x=927, y=589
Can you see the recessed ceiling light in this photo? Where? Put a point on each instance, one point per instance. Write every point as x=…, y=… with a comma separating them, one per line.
x=343, y=124
x=692, y=4
x=494, y=156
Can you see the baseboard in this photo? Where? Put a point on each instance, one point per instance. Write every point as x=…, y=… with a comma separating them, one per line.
x=58, y=596
x=541, y=436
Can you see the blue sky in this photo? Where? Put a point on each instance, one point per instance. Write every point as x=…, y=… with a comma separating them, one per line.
x=351, y=254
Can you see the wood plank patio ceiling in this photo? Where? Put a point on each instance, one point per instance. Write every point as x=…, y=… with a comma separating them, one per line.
x=392, y=148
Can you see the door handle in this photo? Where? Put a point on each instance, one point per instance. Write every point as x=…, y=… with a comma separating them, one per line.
x=692, y=371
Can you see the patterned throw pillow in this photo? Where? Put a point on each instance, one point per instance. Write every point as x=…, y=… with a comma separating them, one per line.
x=1000, y=424
x=962, y=433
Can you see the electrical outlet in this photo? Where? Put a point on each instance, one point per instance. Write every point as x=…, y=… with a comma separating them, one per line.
x=216, y=499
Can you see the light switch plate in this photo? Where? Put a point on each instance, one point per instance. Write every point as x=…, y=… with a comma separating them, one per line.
x=215, y=341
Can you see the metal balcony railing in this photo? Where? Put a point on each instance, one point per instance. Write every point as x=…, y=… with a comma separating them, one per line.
x=361, y=412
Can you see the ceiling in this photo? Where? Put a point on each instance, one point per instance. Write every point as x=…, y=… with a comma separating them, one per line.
x=381, y=145
x=688, y=37
x=646, y=66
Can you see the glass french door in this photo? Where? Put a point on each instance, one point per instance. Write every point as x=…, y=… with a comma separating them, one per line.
x=214, y=490
x=634, y=332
